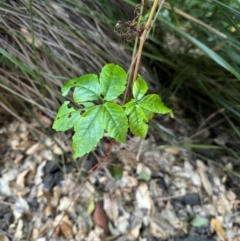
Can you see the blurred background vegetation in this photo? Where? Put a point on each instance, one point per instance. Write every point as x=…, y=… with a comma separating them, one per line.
x=191, y=59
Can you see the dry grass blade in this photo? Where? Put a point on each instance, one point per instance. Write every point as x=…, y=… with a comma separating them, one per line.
x=66, y=42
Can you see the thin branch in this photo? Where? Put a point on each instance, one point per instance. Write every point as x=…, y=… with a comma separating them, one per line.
x=96, y=168
x=143, y=38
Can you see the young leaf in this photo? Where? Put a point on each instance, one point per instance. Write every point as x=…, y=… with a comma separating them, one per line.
x=113, y=79
x=88, y=131
x=139, y=88
x=149, y=114
x=129, y=106
x=137, y=122
x=115, y=121
x=154, y=104
x=87, y=88
x=66, y=117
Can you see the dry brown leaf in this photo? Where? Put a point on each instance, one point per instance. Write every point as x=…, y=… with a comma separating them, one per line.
x=35, y=233
x=169, y=214
x=56, y=196
x=143, y=197
x=20, y=191
x=158, y=231
x=32, y=149
x=19, y=230
x=127, y=157
x=3, y=237
x=21, y=177
x=219, y=229
x=204, y=179
x=42, y=230
x=223, y=205
x=59, y=151
x=67, y=220
x=66, y=230
x=136, y=230
x=57, y=231
x=48, y=211
x=18, y=158
x=172, y=150
x=128, y=181
x=100, y=218
x=110, y=207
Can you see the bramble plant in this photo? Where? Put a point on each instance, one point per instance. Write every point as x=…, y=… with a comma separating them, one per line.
x=96, y=97
x=92, y=119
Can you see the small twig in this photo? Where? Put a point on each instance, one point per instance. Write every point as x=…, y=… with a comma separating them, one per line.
x=104, y=166
x=96, y=168
x=209, y=118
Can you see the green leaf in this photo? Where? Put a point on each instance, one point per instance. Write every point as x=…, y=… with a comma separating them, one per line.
x=116, y=170
x=66, y=117
x=154, y=104
x=139, y=88
x=87, y=88
x=137, y=122
x=115, y=121
x=88, y=131
x=148, y=114
x=113, y=79
x=87, y=104
x=199, y=221
x=91, y=206
x=129, y=106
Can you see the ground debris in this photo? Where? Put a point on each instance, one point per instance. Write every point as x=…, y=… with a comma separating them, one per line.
x=162, y=195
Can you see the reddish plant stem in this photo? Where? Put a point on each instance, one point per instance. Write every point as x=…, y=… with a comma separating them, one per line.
x=94, y=169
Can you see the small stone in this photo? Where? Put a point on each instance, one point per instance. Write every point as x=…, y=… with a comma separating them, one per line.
x=189, y=199
x=51, y=167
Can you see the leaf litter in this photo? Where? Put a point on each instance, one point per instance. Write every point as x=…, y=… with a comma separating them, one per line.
x=165, y=195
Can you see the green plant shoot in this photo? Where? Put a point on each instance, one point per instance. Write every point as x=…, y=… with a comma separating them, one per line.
x=98, y=112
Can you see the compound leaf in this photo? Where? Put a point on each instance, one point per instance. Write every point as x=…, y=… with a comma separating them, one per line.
x=88, y=131
x=139, y=88
x=66, y=117
x=148, y=114
x=129, y=106
x=137, y=122
x=154, y=104
x=87, y=88
x=113, y=79
x=115, y=121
